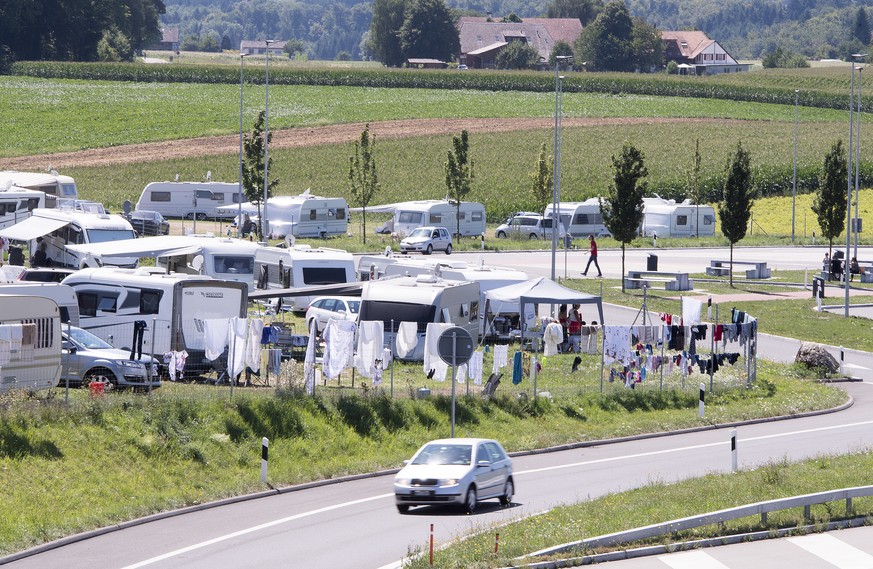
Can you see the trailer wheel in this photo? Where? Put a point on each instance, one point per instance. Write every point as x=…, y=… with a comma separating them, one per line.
x=189, y=215
x=201, y=216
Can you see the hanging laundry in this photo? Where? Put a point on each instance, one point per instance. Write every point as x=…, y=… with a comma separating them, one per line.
x=370, y=339
x=434, y=366
x=237, y=334
x=516, y=368
x=339, y=346
x=253, y=345
x=691, y=311
x=553, y=336
x=406, y=339
x=500, y=358
x=475, y=367
x=309, y=361
x=215, y=337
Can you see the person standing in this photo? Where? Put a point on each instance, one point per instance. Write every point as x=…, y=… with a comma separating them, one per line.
x=592, y=257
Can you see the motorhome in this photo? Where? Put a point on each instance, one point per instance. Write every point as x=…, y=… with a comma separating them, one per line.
x=222, y=258
x=173, y=307
x=54, y=185
x=422, y=299
x=35, y=361
x=410, y=215
x=299, y=266
x=189, y=199
x=304, y=215
x=16, y=204
x=580, y=219
x=62, y=294
x=667, y=218
x=67, y=226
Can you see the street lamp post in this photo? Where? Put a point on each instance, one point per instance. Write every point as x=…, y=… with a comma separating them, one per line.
x=239, y=227
x=858, y=164
x=855, y=56
x=794, y=192
x=265, y=224
x=556, y=165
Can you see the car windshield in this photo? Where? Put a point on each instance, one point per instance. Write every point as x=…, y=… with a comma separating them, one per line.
x=107, y=235
x=420, y=232
x=88, y=340
x=436, y=454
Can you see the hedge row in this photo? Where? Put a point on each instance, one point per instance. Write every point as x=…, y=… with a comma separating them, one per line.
x=653, y=85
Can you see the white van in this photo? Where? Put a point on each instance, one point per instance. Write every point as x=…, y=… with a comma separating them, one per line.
x=35, y=362
x=304, y=215
x=112, y=300
x=300, y=266
x=63, y=295
x=16, y=204
x=580, y=219
x=422, y=299
x=666, y=218
x=54, y=185
x=410, y=215
x=187, y=199
x=66, y=226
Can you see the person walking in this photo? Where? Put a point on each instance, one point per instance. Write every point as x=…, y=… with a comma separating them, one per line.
x=592, y=257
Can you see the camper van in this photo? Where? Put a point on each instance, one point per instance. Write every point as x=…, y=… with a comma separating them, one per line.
x=666, y=218
x=187, y=199
x=304, y=215
x=66, y=226
x=62, y=294
x=173, y=307
x=299, y=266
x=16, y=204
x=55, y=186
x=35, y=362
x=422, y=299
x=580, y=219
x=410, y=215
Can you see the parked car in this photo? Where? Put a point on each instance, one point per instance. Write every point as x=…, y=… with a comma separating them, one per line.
x=426, y=240
x=148, y=223
x=323, y=308
x=45, y=274
x=86, y=358
x=458, y=472
x=529, y=227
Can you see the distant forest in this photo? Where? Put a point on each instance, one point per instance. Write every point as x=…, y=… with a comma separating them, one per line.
x=338, y=28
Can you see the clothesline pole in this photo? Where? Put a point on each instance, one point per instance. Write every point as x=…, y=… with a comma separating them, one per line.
x=454, y=353
x=230, y=378
x=711, y=358
x=662, y=332
x=66, y=374
x=392, y=359
x=152, y=350
x=602, y=355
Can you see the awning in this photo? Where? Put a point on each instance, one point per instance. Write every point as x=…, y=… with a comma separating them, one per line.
x=31, y=228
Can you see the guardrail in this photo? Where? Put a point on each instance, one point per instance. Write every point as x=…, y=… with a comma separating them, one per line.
x=760, y=508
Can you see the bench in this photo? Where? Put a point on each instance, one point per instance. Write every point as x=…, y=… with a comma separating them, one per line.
x=866, y=275
x=672, y=281
x=723, y=269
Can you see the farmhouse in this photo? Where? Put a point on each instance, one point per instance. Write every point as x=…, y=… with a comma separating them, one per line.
x=169, y=40
x=482, y=40
x=260, y=47
x=696, y=54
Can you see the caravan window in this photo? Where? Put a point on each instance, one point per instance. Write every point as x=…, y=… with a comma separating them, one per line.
x=68, y=189
x=161, y=196
x=341, y=213
x=234, y=264
x=150, y=302
x=708, y=220
x=436, y=219
x=218, y=197
x=107, y=235
x=323, y=275
x=477, y=216
x=681, y=220
x=203, y=194
x=410, y=217
x=107, y=304
x=87, y=303
x=313, y=215
x=387, y=311
x=32, y=204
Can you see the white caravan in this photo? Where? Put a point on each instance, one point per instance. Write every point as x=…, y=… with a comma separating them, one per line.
x=580, y=219
x=304, y=215
x=187, y=199
x=422, y=299
x=666, y=218
x=35, y=362
x=222, y=258
x=173, y=308
x=54, y=185
x=300, y=266
x=411, y=215
x=16, y=204
x=63, y=295
x=66, y=226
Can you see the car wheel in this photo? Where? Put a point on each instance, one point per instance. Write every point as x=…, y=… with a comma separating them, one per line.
x=100, y=374
x=470, y=500
x=429, y=250
x=533, y=236
x=501, y=235
x=402, y=508
x=508, y=490
x=449, y=249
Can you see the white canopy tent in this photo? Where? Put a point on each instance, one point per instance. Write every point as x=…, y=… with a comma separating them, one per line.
x=541, y=291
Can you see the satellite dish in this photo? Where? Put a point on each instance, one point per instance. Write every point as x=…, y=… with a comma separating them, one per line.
x=388, y=251
x=197, y=263
x=177, y=177
x=289, y=240
x=209, y=175
x=126, y=207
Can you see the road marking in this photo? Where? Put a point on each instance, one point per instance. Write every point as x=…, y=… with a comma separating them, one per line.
x=239, y=533
x=835, y=551
x=691, y=560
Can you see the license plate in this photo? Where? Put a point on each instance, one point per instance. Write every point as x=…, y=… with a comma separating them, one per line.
x=422, y=492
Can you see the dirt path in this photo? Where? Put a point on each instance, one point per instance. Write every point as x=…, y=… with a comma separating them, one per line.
x=309, y=136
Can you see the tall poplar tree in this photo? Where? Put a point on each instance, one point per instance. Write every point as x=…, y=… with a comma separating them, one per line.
x=829, y=203
x=735, y=209
x=622, y=209
x=253, y=166
x=542, y=180
x=459, y=175
x=363, y=180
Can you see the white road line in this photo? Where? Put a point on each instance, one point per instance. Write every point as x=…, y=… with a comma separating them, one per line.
x=235, y=534
x=691, y=560
x=835, y=551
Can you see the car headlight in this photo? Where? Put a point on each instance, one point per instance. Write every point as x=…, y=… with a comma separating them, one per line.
x=449, y=482
x=129, y=363
x=403, y=481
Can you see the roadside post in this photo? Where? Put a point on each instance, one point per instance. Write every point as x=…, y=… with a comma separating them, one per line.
x=733, y=450
x=265, y=447
x=455, y=347
x=701, y=404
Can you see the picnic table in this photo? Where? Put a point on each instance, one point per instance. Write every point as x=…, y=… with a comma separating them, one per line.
x=720, y=268
x=671, y=281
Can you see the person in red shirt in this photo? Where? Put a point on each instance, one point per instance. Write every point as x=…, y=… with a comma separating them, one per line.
x=592, y=257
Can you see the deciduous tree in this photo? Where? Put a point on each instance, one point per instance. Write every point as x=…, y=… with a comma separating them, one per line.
x=387, y=20
x=607, y=44
x=829, y=203
x=253, y=165
x=735, y=209
x=429, y=31
x=363, y=180
x=459, y=174
x=622, y=209
x=518, y=55
x=584, y=10
x=542, y=180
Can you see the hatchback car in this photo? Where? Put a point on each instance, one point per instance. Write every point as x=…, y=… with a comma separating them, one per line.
x=86, y=358
x=148, y=223
x=426, y=240
x=455, y=472
x=529, y=227
x=323, y=308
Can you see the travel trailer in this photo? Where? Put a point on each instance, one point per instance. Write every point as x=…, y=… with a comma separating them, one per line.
x=54, y=185
x=410, y=215
x=222, y=258
x=187, y=199
x=666, y=218
x=173, y=307
x=62, y=294
x=580, y=219
x=304, y=215
x=34, y=362
x=422, y=299
x=16, y=204
x=67, y=226
x=300, y=266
